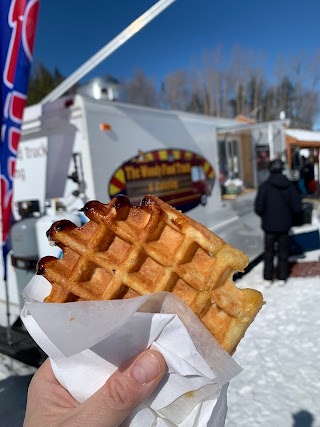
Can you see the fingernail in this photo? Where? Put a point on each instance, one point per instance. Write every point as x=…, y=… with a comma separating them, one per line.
x=146, y=368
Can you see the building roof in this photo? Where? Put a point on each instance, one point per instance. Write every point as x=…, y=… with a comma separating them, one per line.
x=303, y=135
x=244, y=119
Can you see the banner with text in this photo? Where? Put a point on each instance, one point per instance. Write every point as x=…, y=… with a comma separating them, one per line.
x=18, y=20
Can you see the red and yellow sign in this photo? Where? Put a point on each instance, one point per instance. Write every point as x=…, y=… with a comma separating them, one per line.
x=181, y=178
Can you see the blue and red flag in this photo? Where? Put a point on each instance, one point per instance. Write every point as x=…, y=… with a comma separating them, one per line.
x=18, y=19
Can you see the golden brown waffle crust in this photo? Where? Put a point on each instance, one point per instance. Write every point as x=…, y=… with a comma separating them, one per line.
x=126, y=251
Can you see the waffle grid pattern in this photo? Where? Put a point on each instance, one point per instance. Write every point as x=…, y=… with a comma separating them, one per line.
x=126, y=251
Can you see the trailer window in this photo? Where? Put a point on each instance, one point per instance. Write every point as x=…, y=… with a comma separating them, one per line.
x=202, y=174
x=197, y=174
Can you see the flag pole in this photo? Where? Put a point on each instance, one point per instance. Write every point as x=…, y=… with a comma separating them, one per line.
x=6, y=288
x=9, y=336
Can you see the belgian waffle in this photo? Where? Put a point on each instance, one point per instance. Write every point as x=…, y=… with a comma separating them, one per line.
x=125, y=251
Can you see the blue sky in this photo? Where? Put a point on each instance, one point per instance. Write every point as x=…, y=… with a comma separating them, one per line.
x=70, y=31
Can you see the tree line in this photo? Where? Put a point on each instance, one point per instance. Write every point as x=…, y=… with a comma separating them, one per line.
x=222, y=86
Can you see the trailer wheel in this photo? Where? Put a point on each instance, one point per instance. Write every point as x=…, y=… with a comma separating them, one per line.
x=203, y=199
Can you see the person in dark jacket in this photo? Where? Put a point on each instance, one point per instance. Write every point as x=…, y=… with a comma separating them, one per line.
x=277, y=202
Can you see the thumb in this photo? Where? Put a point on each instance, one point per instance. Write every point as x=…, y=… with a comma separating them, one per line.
x=126, y=389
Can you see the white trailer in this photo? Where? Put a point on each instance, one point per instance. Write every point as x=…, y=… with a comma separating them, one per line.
x=103, y=142
x=78, y=148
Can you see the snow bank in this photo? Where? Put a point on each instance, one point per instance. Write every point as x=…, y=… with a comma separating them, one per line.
x=280, y=355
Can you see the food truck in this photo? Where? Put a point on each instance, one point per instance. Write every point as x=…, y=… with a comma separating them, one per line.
x=79, y=148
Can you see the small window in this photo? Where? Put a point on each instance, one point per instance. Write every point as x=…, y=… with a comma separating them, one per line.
x=195, y=176
x=202, y=174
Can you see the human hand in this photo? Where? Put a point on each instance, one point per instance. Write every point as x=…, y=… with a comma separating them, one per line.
x=50, y=404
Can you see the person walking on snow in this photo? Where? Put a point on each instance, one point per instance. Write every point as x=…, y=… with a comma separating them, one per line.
x=277, y=202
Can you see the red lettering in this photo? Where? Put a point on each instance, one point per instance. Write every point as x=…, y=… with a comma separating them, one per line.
x=15, y=21
x=18, y=102
x=29, y=27
x=13, y=139
x=11, y=167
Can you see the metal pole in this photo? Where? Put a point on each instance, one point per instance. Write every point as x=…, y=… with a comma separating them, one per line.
x=8, y=331
x=9, y=340
x=270, y=141
x=109, y=48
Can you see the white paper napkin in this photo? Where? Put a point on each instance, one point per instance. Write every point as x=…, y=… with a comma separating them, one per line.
x=88, y=341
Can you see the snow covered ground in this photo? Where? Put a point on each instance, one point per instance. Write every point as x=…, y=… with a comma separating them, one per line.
x=280, y=355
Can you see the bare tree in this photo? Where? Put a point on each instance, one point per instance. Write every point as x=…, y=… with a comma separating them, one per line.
x=208, y=92
x=240, y=86
x=213, y=81
x=226, y=92
x=240, y=64
x=141, y=90
x=314, y=68
x=175, y=90
x=197, y=93
x=298, y=67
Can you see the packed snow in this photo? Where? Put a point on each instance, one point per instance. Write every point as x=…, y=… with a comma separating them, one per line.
x=280, y=355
